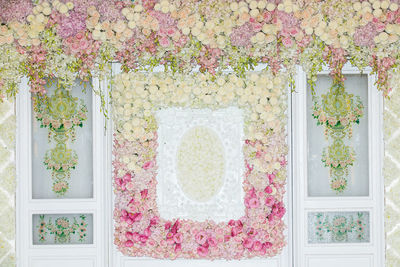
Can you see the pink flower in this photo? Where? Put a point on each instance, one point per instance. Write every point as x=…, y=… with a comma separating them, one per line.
x=212, y=241
x=164, y=41
x=235, y=231
x=254, y=203
x=287, y=42
x=202, y=251
x=201, y=237
x=129, y=235
x=127, y=177
x=84, y=44
x=178, y=248
x=257, y=246
x=267, y=245
x=148, y=165
x=269, y=201
x=129, y=243
x=248, y=243
x=268, y=190
x=144, y=193
x=171, y=32
x=178, y=238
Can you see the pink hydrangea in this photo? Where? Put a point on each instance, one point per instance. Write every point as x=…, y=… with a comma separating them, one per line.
x=15, y=10
x=241, y=35
x=364, y=36
x=72, y=24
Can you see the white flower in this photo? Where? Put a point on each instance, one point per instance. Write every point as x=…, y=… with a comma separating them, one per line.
x=63, y=9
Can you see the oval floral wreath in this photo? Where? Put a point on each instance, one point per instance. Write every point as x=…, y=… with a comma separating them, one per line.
x=139, y=230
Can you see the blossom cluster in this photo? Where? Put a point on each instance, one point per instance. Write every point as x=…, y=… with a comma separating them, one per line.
x=183, y=34
x=139, y=229
x=200, y=163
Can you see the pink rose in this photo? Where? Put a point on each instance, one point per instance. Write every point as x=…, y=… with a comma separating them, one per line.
x=127, y=177
x=130, y=186
x=170, y=32
x=143, y=238
x=147, y=232
x=253, y=203
x=144, y=193
x=293, y=31
x=129, y=235
x=154, y=220
x=235, y=231
x=248, y=243
x=267, y=245
x=164, y=41
x=287, y=42
x=170, y=235
x=268, y=190
x=148, y=165
x=271, y=178
x=178, y=238
x=79, y=35
x=129, y=243
x=170, y=241
x=178, y=248
x=269, y=201
x=212, y=241
x=84, y=44
x=202, y=251
x=201, y=237
x=257, y=246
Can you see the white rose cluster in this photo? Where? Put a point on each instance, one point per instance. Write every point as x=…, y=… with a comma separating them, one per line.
x=200, y=163
x=136, y=96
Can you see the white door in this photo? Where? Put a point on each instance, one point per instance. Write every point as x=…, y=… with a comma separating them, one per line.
x=342, y=227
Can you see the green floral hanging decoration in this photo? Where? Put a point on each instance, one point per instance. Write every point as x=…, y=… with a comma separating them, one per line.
x=337, y=111
x=61, y=113
x=62, y=229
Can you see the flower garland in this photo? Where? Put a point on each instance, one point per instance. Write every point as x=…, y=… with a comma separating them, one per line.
x=62, y=229
x=139, y=230
x=70, y=39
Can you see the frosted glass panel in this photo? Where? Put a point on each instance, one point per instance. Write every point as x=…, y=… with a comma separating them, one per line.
x=338, y=227
x=62, y=229
x=79, y=175
x=318, y=175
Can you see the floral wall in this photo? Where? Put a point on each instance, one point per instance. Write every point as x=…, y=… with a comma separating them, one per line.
x=7, y=184
x=76, y=39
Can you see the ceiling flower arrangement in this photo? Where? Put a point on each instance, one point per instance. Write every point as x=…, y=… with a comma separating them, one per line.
x=77, y=38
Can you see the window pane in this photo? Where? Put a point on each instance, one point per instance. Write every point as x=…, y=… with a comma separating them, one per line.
x=62, y=165
x=320, y=176
x=62, y=229
x=338, y=227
